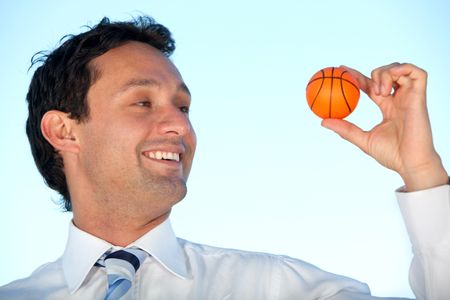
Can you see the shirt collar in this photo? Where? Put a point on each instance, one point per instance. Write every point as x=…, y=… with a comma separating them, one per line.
x=83, y=250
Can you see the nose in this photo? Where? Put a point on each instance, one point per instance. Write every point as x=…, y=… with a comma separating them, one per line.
x=174, y=122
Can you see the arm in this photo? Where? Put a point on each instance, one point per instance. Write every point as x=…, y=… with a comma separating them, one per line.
x=427, y=218
x=403, y=142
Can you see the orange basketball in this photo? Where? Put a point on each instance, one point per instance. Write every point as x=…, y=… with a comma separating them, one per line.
x=332, y=93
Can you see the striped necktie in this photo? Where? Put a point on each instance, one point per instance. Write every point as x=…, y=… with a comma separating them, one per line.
x=121, y=266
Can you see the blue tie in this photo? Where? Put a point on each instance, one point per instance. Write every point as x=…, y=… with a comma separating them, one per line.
x=121, y=266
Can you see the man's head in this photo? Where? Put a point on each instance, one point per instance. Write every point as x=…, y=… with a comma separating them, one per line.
x=104, y=107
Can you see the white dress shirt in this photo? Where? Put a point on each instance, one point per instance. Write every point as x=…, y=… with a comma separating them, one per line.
x=178, y=269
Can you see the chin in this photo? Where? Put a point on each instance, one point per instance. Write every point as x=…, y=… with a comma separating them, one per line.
x=169, y=191
x=180, y=194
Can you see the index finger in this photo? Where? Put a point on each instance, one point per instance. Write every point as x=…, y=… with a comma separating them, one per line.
x=365, y=84
x=363, y=81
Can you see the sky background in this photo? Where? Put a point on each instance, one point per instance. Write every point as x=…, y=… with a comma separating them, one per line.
x=266, y=177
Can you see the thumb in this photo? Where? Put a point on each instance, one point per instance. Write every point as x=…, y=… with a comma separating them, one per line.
x=348, y=131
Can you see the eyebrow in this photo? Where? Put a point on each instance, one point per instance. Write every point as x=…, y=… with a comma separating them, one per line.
x=150, y=83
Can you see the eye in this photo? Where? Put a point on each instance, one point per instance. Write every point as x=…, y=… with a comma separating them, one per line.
x=184, y=109
x=143, y=103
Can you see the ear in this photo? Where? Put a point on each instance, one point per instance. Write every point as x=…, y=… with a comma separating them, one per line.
x=57, y=129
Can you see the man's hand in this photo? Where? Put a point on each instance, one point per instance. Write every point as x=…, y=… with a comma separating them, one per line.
x=403, y=140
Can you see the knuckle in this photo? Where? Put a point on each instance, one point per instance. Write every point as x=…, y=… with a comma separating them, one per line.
x=422, y=72
x=374, y=73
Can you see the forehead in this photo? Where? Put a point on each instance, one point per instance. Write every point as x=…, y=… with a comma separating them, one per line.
x=133, y=60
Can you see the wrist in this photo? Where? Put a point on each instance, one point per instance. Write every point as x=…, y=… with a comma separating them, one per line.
x=426, y=177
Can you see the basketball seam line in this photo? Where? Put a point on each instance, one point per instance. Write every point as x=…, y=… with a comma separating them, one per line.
x=331, y=93
x=343, y=93
x=318, y=92
x=328, y=77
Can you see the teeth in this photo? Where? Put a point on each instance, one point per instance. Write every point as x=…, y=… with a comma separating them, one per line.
x=164, y=155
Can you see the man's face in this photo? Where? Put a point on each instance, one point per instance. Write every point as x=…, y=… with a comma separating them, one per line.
x=137, y=146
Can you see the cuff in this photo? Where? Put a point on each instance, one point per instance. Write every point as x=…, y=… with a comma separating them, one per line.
x=427, y=215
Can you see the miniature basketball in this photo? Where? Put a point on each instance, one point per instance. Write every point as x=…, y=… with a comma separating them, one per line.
x=332, y=93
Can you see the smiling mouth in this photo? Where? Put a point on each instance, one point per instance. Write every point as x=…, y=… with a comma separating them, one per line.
x=162, y=155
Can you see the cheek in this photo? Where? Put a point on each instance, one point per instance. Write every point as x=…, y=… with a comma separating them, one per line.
x=192, y=138
x=108, y=142
x=193, y=142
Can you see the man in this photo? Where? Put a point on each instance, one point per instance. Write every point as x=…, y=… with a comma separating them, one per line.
x=109, y=130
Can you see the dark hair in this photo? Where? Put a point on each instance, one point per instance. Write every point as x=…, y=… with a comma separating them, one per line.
x=63, y=80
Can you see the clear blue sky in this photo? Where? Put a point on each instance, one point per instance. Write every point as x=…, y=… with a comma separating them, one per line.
x=267, y=177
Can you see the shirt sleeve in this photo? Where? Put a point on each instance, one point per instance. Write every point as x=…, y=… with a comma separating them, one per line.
x=427, y=218
x=297, y=279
